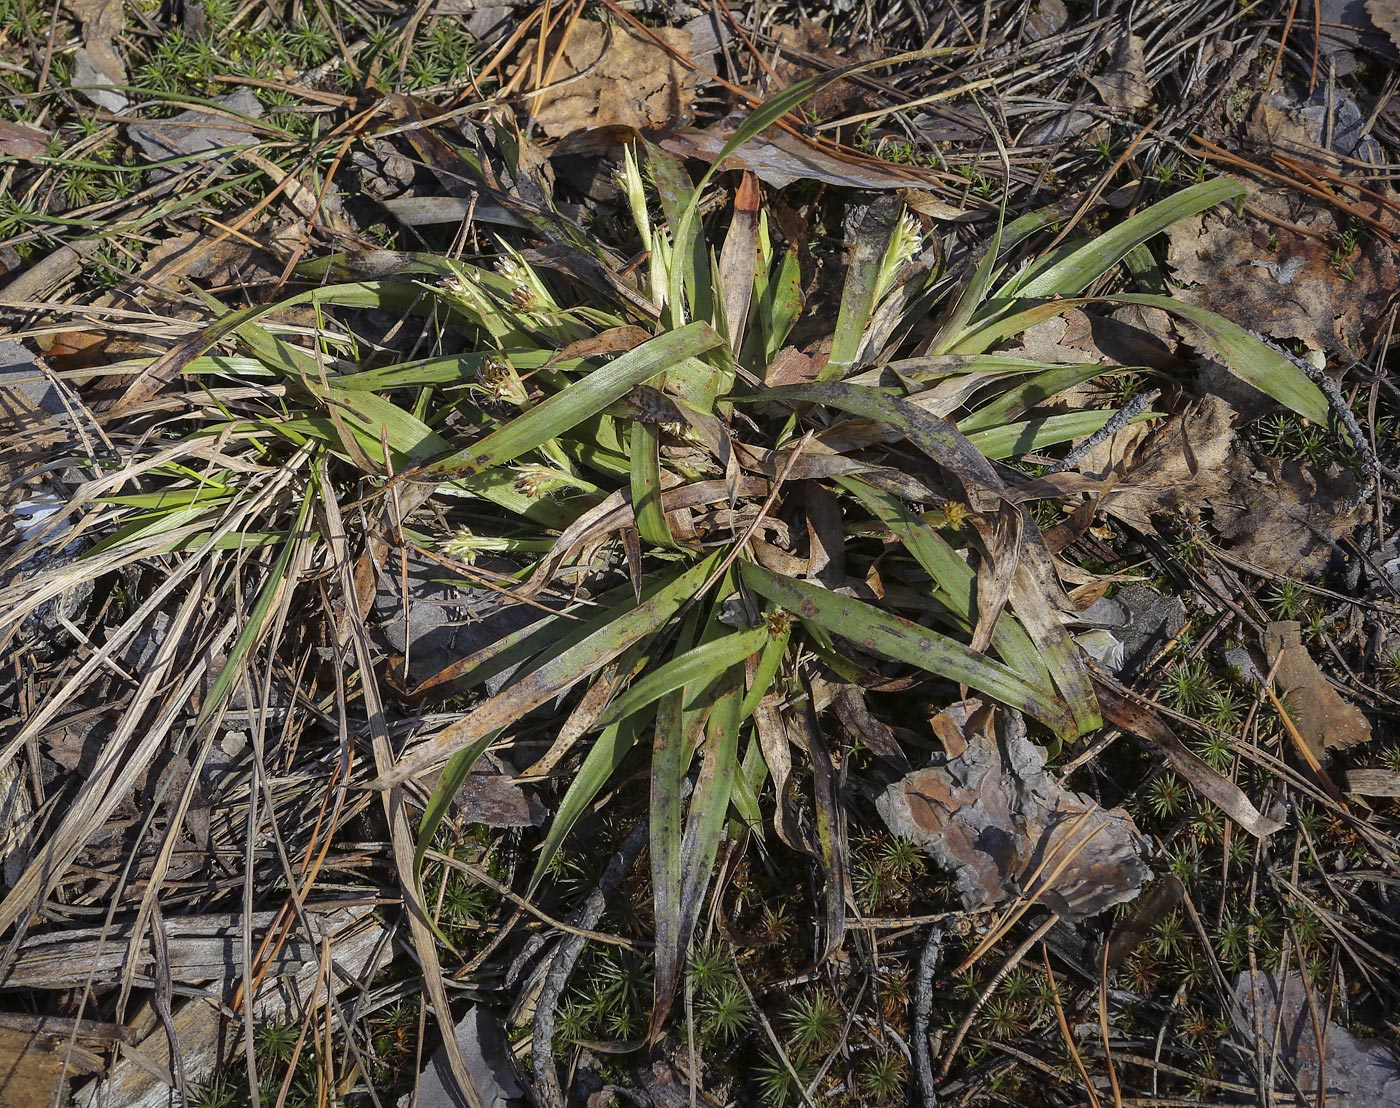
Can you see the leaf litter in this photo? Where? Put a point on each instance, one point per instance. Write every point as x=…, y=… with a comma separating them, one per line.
x=815, y=527
x=1293, y=273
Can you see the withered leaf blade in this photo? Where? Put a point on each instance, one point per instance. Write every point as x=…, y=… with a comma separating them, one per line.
x=1005, y=827
x=778, y=159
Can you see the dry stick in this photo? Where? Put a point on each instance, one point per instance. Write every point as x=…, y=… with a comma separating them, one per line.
x=1116, y=422
x=929, y=958
x=566, y=956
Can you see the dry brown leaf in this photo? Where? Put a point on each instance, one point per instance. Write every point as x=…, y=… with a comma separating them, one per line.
x=807, y=51
x=19, y=141
x=1329, y=131
x=97, y=60
x=1284, y=1018
x=73, y=350
x=995, y=817
x=1125, y=84
x=1323, y=718
x=1385, y=14
x=1284, y=283
x=1281, y=516
x=611, y=76
x=1164, y=466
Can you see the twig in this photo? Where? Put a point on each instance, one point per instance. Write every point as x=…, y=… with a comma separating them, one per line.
x=566, y=956
x=931, y=955
x=1116, y=422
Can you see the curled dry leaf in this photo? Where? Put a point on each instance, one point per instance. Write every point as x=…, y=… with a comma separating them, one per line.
x=608, y=76
x=1323, y=718
x=994, y=816
x=1125, y=83
x=1283, y=517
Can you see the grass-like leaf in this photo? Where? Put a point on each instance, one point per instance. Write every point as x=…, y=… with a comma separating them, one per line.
x=897, y=638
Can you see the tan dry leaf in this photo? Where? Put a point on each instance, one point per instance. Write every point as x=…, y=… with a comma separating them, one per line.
x=807, y=51
x=610, y=76
x=1323, y=718
x=1165, y=466
x=98, y=62
x=995, y=817
x=1125, y=84
x=1385, y=14
x=1283, y=517
x=68, y=351
x=1283, y=283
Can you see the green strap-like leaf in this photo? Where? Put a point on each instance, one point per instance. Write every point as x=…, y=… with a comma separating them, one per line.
x=696, y=667
x=554, y=676
x=1245, y=356
x=646, y=485
x=599, y=765
x=862, y=279
x=580, y=401
x=893, y=637
x=1076, y=272
x=956, y=580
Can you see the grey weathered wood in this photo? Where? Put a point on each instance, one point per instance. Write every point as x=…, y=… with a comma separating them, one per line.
x=143, y=1076
x=202, y=949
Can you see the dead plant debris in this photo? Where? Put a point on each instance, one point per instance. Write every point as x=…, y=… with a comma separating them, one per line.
x=396, y=396
x=993, y=816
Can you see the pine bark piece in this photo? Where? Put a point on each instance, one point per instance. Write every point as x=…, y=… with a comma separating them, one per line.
x=1004, y=826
